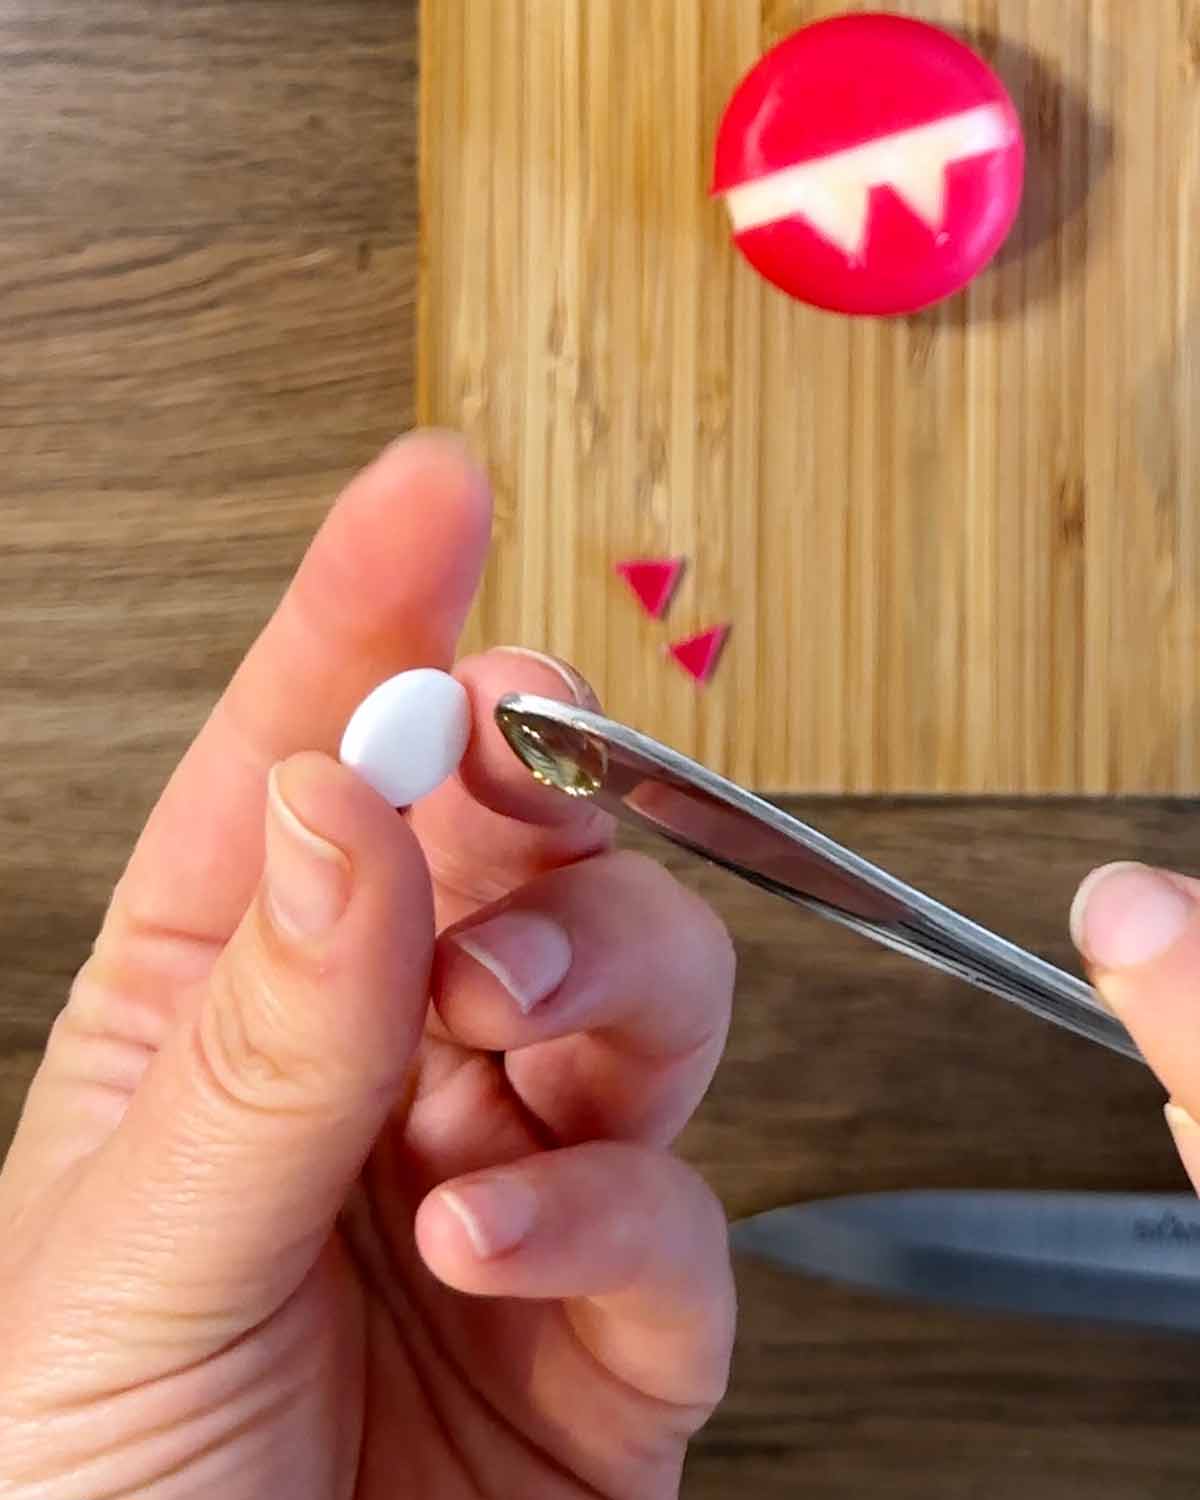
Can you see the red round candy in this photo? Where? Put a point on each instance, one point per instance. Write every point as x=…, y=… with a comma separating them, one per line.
x=870, y=164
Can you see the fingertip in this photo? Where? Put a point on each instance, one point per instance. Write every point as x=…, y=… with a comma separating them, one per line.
x=444, y=463
x=441, y=1240
x=463, y=1228
x=1077, y=918
x=1137, y=930
x=632, y=1238
x=404, y=548
x=444, y=489
x=490, y=771
x=1127, y=915
x=448, y=494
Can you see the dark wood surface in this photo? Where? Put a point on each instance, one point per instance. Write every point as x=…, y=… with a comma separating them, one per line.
x=207, y=269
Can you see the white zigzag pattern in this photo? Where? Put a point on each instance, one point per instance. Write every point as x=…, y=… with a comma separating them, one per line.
x=834, y=192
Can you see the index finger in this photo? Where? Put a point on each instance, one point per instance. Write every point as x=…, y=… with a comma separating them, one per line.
x=385, y=586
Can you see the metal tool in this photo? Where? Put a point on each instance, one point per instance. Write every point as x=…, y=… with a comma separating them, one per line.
x=1122, y=1258
x=645, y=784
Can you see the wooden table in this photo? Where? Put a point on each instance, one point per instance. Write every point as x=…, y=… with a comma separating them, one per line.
x=207, y=271
x=959, y=550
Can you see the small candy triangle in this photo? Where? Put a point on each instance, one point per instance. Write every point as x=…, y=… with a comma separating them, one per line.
x=699, y=654
x=653, y=581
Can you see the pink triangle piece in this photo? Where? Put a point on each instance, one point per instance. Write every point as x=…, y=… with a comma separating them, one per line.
x=653, y=581
x=699, y=654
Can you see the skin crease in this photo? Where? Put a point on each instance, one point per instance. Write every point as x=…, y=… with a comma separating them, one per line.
x=230, y=1263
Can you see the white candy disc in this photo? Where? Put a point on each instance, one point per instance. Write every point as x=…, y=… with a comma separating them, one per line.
x=409, y=735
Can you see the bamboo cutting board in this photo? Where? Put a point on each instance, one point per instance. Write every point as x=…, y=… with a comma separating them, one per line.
x=959, y=551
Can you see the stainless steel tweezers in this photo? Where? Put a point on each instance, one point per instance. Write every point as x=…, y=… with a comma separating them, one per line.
x=647, y=785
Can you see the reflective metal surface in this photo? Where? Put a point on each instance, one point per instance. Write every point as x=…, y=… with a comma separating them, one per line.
x=1102, y=1257
x=652, y=787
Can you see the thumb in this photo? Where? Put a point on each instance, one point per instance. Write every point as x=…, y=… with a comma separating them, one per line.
x=1138, y=929
x=237, y=1153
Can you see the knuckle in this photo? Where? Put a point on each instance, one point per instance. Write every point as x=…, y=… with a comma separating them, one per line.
x=709, y=936
x=704, y=966
x=718, y=947
x=676, y=1198
x=700, y=1203
x=714, y=1269
x=713, y=957
x=245, y=1048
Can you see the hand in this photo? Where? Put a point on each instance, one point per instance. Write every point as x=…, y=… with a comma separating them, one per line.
x=273, y=1224
x=1138, y=931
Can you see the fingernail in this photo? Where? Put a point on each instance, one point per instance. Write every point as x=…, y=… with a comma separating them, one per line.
x=496, y=1212
x=1125, y=915
x=1178, y=1119
x=528, y=953
x=578, y=687
x=307, y=878
x=1083, y=897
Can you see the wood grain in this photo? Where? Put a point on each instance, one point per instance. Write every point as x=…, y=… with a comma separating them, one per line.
x=837, y=1394
x=959, y=550
x=196, y=351
x=200, y=341
x=852, y=1069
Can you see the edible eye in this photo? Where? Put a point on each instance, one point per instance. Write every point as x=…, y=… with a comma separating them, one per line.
x=409, y=735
